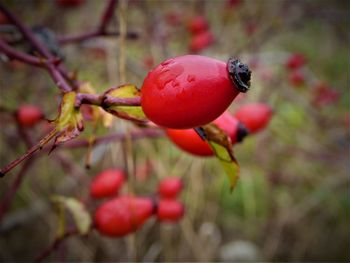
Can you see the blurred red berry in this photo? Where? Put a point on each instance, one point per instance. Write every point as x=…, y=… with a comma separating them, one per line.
x=234, y=3
x=250, y=28
x=189, y=141
x=29, y=115
x=324, y=95
x=70, y=3
x=201, y=41
x=296, y=78
x=255, y=116
x=148, y=62
x=123, y=215
x=170, y=210
x=173, y=18
x=296, y=61
x=197, y=25
x=170, y=187
x=3, y=19
x=107, y=183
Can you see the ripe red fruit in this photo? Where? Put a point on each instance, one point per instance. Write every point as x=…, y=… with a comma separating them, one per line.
x=255, y=116
x=296, y=61
x=70, y=3
x=107, y=183
x=324, y=95
x=29, y=115
x=170, y=187
x=170, y=210
x=189, y=141
x=3, y=18
x=190, y=91
x=197, y=25
x=123, y=215
x=201, y=41
x=296, y=78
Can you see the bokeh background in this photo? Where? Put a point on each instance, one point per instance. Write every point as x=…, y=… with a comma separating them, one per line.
x=292, y=202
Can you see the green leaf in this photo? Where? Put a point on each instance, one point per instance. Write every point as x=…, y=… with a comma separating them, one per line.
x=80, y=215
x=134, y=113
x=69, y=123
x=221, y=145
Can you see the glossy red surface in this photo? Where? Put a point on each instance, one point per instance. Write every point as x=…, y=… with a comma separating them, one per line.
x=107, y=183
x=255, y=116
x=189, y=141
x=170, y=210
x=170, y=187
x=121, y=216
x=187, y=91
x=29, y=115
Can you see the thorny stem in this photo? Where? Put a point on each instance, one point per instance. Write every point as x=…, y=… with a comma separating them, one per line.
x=29, y=153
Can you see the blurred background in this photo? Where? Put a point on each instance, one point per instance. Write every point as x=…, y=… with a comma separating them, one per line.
x=292, y=202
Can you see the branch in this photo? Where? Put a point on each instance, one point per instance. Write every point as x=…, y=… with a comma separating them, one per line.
x=105, y=100
x=85, y=36
x=138, y=134
x=46, y=252
x=41, y=48
x=107, y=15
x=6, y=201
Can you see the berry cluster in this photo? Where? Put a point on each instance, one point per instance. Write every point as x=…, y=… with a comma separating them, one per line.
x=125, y=214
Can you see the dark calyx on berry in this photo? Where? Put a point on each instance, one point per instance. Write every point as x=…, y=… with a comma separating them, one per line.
x=242, y=132
x=239, y=73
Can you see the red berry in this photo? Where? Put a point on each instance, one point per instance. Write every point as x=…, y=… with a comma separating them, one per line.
x=189, y=141
x=29, y=115
x=255, y=116
x=190, y=91
x=197, y=25
x=296, y=78
x=169, y=210
x=170, y=187
x=107, y=183
x=324, y=95
x=234, y=3
x=296, y=61
x=123, y=215
x=70, y=3
x=3, y=19
x=201, y=41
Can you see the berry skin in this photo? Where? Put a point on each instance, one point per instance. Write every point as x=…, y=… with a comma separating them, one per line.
x=296, y=78
x=107, y=183
x=123, y=215
x=324, y=95
x=190, y=91
x=189, y=141
x=29, y=115
x=296, y=61
x=198, y=25
x=255, y=116
x=170, y=210
x=170, y=187
x=201, y=41
x=70, y=3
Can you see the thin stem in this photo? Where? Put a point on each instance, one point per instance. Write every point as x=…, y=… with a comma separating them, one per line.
x=107, y=15
x=138, y=134
x=28, y=154
x=54, y=245
x=63, y=40
x=14, y=54
x=41, y=48
x=6, y=201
